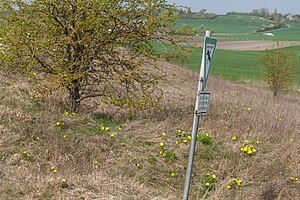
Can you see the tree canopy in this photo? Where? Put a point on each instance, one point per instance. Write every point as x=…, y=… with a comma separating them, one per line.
x=89, y=48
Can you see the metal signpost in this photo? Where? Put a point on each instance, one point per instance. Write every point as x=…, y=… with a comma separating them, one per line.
x=202, y=102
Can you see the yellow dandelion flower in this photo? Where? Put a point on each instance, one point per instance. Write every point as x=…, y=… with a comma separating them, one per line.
x=296, y=179
x=206, y=135
x=207, y=184
x=189, y=137
x=213, y=176
x=65, y=136
x=239, y=182
x=52, y=168
x=292, y=178
x=163, y=134
x=57, y=123
x=112, y=135
x=161, y=152
x=102, y=128
x=177, y=142
x=161, y=144
x=233, y=138
x=249, y=151
x=55, y=170
x=249, y=109
x=291, y=139
x=184, y=141
x=107, y=128
x=245, y=149
x=63, y=181
x=73, y=113
x=138, y=164
x=119, y=129
x=66, y=113
x=173, y=174
x=228, y=187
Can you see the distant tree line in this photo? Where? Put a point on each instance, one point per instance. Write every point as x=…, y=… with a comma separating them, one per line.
x=262, y=12
x=276, y=20
x=188, y=14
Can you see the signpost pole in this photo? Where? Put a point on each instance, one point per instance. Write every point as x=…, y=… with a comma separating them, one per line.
x=201, y=88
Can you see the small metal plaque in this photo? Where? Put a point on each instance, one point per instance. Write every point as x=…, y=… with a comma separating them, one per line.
x=203, y=103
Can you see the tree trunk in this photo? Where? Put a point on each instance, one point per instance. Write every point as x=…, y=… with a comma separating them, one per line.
x=74, y=99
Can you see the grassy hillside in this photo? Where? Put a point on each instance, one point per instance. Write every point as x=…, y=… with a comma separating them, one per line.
x=225, y=24
x=47, y=153
x=234, y=27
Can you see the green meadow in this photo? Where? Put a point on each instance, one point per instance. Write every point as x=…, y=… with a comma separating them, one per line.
x=231, y=64
x=233, y=27
x=236, y=65
x=225, y=24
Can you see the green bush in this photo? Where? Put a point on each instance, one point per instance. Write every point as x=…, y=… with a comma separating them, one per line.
x=278, y=68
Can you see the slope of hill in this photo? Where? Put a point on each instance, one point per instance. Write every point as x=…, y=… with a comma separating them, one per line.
x=225, y=23
x=47, y=153
x=235, y=27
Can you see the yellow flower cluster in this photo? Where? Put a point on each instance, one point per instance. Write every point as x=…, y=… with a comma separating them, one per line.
x=293, y=179
x=67, y=113
x=103, y=128
x=235, y=183
x=248, y=148
x=210, y=180
x=184, y=136
x=53, y=169
x=96, y=164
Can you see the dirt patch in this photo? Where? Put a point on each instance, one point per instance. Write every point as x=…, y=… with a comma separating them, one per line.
x=245, y=45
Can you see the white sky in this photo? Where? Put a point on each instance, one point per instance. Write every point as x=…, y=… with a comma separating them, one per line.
x=224, y=6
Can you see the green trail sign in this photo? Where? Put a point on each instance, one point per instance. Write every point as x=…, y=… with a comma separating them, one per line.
x=209, y=50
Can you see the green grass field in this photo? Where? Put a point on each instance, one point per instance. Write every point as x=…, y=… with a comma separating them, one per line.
x=225, y=24
x=233, y=65
x=236, y=65
x=241, y=28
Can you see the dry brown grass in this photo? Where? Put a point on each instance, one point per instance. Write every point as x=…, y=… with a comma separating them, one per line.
x=266, y=175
